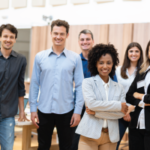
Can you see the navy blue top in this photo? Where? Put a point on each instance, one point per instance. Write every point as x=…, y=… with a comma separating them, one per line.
x=86, y=71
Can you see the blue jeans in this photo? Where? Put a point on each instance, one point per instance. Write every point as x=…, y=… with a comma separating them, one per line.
x=7, y=133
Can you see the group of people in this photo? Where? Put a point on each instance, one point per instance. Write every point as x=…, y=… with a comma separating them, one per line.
x=95, y=115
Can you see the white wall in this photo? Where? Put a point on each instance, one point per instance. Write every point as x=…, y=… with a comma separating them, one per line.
x=119, y=11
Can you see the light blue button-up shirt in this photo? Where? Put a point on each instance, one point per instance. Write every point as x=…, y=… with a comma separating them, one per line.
x=53, y=75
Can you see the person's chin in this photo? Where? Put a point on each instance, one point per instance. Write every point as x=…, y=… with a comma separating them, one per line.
x=58, y=44
x=134, y=60
x=7, y=48
x=105, y=74
x=85, y=49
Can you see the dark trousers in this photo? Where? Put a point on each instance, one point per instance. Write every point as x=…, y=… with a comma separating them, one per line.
x=139, y=139
x=76, y=137
x=122, y=128
x=46, y=126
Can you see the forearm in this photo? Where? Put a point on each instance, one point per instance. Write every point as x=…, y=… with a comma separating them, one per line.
x=78, y=78
x=109, y=115
x=34, y=86
x=79, y=101
x=97, y=105
x=131, y=100
x=146, y=99
x=21, y=104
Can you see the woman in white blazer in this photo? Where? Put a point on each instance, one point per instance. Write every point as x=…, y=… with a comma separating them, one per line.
x=104, y=100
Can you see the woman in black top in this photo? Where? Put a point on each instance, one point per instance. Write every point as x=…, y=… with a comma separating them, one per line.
x=139, y=96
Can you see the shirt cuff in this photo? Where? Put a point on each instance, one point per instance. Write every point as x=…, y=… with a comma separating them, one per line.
x=128, y=104
x=21, y=93
x=141, y=103
x=77, y=110
x=33, y=108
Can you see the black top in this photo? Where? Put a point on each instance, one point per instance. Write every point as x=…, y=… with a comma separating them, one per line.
x=130, y=99
x=12, y=72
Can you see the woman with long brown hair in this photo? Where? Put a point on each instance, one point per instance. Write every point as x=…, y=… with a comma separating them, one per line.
x=139, y=96
x=125, y=75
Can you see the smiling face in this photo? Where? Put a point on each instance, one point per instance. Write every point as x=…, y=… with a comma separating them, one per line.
x=85, y=41
x=59, y=36
x=134, y=54
x=7, y=39
x=104, y=66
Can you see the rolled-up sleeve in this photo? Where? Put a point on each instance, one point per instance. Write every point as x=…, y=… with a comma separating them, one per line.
x=21, y=86
x=34, y=86
x=78, y=78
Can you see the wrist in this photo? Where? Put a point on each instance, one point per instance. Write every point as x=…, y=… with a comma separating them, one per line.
x=141, y=96
x=21, y=112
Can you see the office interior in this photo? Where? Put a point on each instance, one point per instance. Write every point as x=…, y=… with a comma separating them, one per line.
x=118, y=22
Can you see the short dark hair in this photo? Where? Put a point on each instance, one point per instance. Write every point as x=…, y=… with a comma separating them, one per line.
x=9, y=27
x=86, y=31
x=96, y=53
x=60, y=23
x=126, y=63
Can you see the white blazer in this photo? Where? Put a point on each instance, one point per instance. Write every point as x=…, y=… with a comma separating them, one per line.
x=95, y=99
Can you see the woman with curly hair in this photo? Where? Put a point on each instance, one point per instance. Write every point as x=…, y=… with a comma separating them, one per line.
x=104, y=100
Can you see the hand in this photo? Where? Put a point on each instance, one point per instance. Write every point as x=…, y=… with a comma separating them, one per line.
x=124, y=108
x=22, y=116
x=34, y=116
x=127, y=118
x=75, y=120
x=90, y=112
x=138, y=95
x=130, y=109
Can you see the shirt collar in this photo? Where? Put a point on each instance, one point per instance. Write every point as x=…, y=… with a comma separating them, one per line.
x=106, y=84
x=147, y=68
x=12, y=53
x=132, y=73
x=1, y=53
x=82, y=57
x=50, y=51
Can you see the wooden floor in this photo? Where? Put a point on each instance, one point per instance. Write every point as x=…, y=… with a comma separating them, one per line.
x=18, y=140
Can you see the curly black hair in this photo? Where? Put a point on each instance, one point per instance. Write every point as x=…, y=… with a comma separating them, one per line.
x=96, y=53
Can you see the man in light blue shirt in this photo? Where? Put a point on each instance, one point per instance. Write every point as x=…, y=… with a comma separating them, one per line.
x=53, y=75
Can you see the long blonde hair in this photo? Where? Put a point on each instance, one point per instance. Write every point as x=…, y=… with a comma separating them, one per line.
x=146, y=63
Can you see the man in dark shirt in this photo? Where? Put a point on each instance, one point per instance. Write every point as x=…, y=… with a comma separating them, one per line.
x=12, y=90
x=86, y=42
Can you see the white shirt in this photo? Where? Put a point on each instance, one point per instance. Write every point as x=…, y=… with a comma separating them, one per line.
x=125, y=82
x=106, y=87
x=141, y=119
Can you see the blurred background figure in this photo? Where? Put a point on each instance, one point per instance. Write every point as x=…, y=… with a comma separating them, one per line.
x=139, y=96
x=125, y=75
